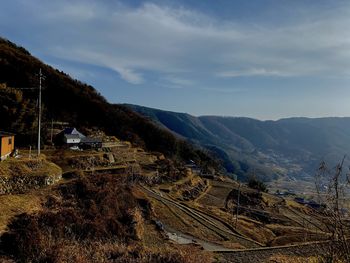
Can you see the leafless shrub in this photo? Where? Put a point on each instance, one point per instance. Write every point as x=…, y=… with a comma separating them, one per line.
x=332, y=186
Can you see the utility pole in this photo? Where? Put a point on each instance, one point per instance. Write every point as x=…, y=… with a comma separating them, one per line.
x=238, y=196
x=304, y=229
x=39, y=109
x=41, y=77
x=51, y=131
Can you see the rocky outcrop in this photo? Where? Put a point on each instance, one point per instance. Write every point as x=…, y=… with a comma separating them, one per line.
x=21, y=184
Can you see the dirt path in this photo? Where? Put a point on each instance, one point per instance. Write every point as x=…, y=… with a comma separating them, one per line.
x=205, y=220
x=183, y=239
x=260, y=255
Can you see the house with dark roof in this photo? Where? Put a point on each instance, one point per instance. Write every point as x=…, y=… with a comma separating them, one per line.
x=73, y=131
x=71, y=137
x=90, y=143
x=7, y=144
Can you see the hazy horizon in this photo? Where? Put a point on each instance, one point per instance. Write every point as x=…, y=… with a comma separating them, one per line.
x=240, y=116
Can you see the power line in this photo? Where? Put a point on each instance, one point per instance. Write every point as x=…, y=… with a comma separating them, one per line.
x=41, y=77
x=39, y=109
x=239, y=189
x=23, y=88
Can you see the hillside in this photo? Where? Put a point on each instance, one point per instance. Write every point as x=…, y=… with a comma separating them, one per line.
x=126, y=202
x=155, y=212
x=68, y=100
x=293, y=146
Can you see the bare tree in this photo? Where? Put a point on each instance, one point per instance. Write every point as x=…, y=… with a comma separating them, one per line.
x=331, y=187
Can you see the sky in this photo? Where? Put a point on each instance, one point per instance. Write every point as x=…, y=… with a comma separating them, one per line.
x=266, y=59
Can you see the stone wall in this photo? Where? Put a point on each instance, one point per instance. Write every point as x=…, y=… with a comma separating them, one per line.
x=22, y=183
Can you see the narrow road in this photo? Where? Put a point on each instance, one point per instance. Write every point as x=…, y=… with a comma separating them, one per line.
x=260, y=255
x=254, y=252
x=206, y=220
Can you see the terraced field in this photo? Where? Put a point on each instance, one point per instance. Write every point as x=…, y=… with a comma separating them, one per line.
x=204, y=212
x=211, y=223
x=273, y=221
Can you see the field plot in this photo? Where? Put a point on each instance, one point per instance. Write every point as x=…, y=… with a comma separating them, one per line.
x=263, y=219
x=216, y=194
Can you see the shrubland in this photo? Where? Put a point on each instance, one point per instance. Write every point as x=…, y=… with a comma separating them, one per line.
x=89, y=219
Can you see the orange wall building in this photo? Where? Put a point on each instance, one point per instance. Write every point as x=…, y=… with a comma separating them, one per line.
x=7, y=144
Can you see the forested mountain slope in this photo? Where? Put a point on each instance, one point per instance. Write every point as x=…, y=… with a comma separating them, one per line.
x=293, y=146
x=69, y=100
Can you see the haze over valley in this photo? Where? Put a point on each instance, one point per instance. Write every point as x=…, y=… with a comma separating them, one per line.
x=294, y=147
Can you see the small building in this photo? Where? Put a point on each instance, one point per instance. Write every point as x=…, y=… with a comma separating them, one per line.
x=90, y=143
x=74, y=139
x=70, y=137
x=7, y=144
x=193, y=166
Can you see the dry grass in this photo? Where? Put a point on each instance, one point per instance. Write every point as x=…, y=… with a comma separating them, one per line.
x=216, y=194
x=299, y=207
x=177, y=219
x=271, y=200
x=93, y=220
x=188, y=188
x=98, y=252
x=293, y=259
x=299, y=259
x=29, y=167
x=290, y=234
x=12, y=205
x=255, y=231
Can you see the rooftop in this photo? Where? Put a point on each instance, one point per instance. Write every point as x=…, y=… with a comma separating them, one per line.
x=4, y=134
x=72, y=131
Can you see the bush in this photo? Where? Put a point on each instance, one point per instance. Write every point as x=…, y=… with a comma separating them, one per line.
x=87, y=209
x=90, y=219
x=257, y=185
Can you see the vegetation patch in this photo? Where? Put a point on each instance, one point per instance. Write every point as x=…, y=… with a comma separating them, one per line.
x=90, y=219
x=10, y=205
x=22, y=175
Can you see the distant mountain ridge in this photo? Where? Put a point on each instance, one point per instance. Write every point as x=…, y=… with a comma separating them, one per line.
x=292, y=146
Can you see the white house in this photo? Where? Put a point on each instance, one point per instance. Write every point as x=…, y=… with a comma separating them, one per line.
x=71, y=139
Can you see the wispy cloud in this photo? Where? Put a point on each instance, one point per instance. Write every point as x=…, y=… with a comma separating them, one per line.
x=252, y=72
x=175, y=41
x=129, y=75
x=179, y=81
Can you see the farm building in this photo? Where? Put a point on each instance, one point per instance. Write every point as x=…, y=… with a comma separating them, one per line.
x=90, y=143
x=71, y=137
x=7, y=144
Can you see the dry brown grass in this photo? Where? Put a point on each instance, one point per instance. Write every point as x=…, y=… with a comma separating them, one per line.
x=299, y=259
x=29, y=167
x=293, y=259
x=99, y=252
x=92, y=219
x=138, y=222
x=299, y=207
x=177, y=219
x=254, y=230
x=11, y=205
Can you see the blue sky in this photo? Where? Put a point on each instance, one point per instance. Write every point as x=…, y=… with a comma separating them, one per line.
x=266, y=59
